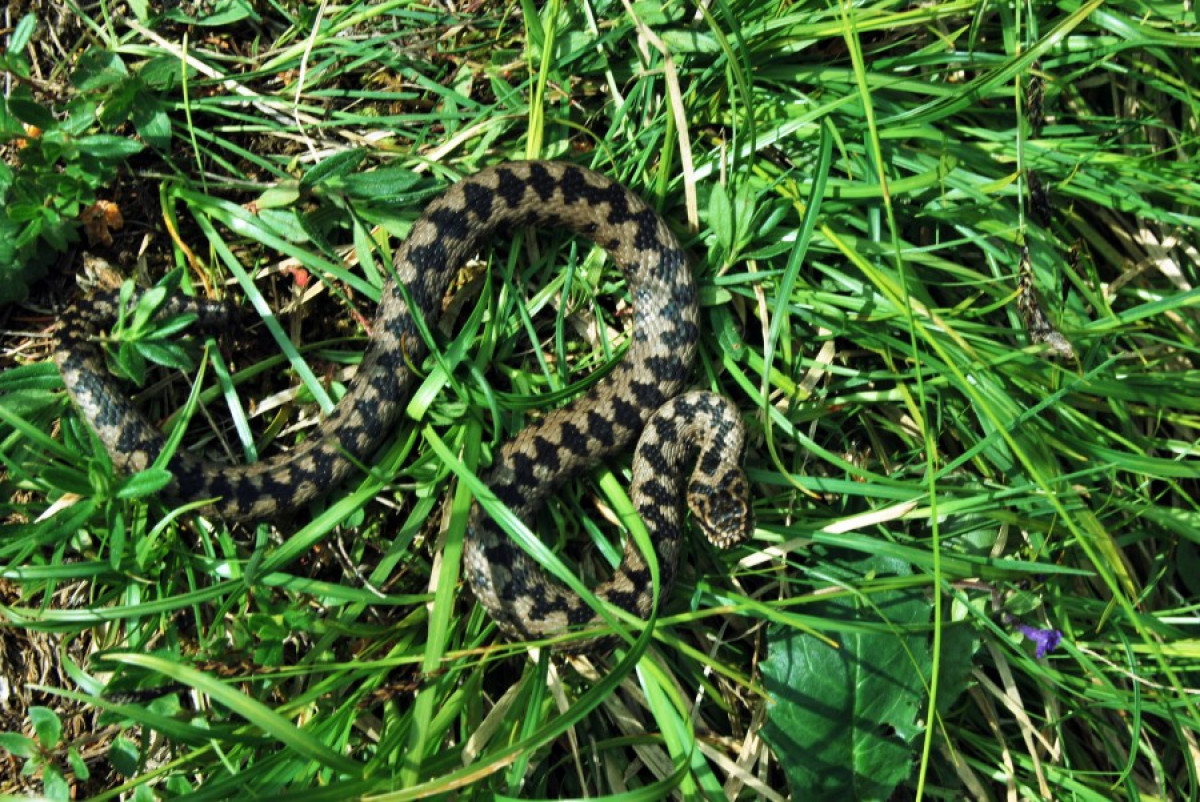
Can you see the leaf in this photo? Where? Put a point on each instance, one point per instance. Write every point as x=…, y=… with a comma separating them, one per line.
x=147, y=307
x=285, y=223
x=177, y=785
x=124, y=757
x=23, y=33
x=47, y=726
x=19, y=267
x=14, y=61
x=339, y=164
x=67, y=480
x=163, y=72
x=18, y=745
x=651, y=12
x=78, y=764
x=959, y=644
x=55, y=784
x=10, y=127
x=28, y=403
x=116, y=538
x=744, y=207
x=22, y=106
x=173, y=355
x=382, y=183
x=170, y=326
x=81, y=117
x=300, y=740
x=119, y=104
x=108, y=146
x=720, y=217
x=131, y=364
x=97, y=69
x=280, y=196
x=144, y=483
x=843, y=720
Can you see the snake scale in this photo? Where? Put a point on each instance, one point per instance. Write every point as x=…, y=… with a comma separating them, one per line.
x=638, y=395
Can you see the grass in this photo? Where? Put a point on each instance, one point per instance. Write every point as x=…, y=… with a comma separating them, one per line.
x=939, y=489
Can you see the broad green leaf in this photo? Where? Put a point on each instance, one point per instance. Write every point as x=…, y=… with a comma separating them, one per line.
x=121, y=101
x=959, y=644
x=842, y=721
x=47, y=726
x=18, y=745
x=162, y=72
x=385, y=182
x=97, y=69
x=27, y=110
x=280, y=196
x=284, y=223
x=27, y=403
x=337, y=165
x=55, y=784
x=131, y=364
x=109, y=146
x=152, y=122
x=124, y=757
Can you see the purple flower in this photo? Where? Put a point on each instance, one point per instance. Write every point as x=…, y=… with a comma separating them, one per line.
x=1047, y=640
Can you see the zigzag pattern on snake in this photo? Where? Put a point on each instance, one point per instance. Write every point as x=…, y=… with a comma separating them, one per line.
x=518, y=594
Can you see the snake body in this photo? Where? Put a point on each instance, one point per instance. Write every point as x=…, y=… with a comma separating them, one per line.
x=517, y=593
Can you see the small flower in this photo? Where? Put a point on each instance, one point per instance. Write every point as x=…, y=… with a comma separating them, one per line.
x=1047, y=640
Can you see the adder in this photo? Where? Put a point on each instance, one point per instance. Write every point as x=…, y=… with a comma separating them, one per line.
x=639, y=395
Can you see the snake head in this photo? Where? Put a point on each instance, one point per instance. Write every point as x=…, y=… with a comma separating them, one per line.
x=721, y=507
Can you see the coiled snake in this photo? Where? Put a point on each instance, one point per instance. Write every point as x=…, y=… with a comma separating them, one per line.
x=518, y=594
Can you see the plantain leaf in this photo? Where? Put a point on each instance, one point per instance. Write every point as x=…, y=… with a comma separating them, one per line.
x=843, y=721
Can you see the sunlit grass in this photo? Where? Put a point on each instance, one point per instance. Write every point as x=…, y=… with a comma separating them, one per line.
x=857, y=188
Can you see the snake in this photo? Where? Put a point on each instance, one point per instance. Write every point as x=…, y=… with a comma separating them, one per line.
x=638, y=398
